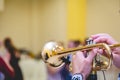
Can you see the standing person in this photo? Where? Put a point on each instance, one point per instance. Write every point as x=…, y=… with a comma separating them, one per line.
x=6, y=70
x=14, y=58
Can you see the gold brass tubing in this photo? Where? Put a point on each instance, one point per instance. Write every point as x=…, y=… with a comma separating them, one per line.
x=81, y=48
x=88, y=47
x=52, y=55
x=114, y=45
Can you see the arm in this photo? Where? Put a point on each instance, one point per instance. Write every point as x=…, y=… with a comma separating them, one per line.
x=52, y=70
x=81, y=64
x=106, y=38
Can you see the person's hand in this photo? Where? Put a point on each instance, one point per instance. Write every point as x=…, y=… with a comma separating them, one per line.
x=106, y=38
x=82, y=65
x=103, y=38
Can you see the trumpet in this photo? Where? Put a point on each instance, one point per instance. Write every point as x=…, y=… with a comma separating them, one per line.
x=54, y=54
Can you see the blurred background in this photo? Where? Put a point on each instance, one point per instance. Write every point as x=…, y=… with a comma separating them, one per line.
x=32, y=23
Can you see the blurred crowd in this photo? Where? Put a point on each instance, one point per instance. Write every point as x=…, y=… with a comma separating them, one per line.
x=10, y=56
x=9, y=61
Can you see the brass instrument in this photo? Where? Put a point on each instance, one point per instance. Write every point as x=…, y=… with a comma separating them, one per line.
x=53, y=54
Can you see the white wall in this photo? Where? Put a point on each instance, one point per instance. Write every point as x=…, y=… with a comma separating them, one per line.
x=15, y=22
x=1, y=5
x=30, y=23
x=48, y=21
x=103, y=17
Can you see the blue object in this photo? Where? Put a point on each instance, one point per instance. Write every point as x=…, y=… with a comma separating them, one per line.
x=119, y=76
x=2, y=77
x=66, y=74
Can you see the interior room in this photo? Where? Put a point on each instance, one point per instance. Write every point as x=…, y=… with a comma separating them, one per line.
x=30, y=24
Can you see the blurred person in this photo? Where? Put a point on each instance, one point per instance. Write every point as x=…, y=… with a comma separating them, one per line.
x=62, y=72
x=59, y=73
x=79, y=72
x=106, y=38
x=98, y=38
x=6, y=70
x=85, y=41
x=74, y=43
x=14, y=58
